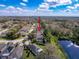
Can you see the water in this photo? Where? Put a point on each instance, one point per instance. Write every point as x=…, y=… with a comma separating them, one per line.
x=71, y=49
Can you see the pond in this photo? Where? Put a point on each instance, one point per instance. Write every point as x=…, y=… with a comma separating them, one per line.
x=71, y=49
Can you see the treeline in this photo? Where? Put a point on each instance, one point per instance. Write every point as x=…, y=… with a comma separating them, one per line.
x=72, y=34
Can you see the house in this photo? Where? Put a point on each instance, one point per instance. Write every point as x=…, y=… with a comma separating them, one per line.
x=11, y=51
x=39, y=38
x=35, y=49
x=23, y=31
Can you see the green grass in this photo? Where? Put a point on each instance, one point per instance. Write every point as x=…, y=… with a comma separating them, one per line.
x=27, y=55
x=2, y=39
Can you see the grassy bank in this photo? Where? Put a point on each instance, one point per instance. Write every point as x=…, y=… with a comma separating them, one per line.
x=59, y=50
x=54, y=41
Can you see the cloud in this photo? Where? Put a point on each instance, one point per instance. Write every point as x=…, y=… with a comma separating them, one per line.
x=50, y=0
x=10, y=7
x=65, y=1
x=67, y=10
x=20, y=9
x=2, y=5
x=26, y=12
x=17, y=11
x=76, y=5
x=54, y=3
x=14, y=11
x=43, y=6
x=25, y=0
x=4, y=11
x=71, y=7
x=43, y=10
x=60, y=1
x=23, y=4
x=76, y=0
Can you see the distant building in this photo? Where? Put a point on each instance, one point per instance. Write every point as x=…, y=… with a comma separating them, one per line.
x=10, y=51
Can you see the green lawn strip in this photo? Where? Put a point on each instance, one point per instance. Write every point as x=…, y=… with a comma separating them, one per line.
x=2, y=39
x=27, y=55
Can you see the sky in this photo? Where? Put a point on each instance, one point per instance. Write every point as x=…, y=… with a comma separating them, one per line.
x=39, y=7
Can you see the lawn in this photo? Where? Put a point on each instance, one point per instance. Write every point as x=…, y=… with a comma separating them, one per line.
x=27, y=55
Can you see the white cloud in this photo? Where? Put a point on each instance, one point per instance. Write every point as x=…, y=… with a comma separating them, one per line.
x=50, y=0
x=4, y=11
x=71, y=7
x=20, y=9
x=67, y=10
x=76, y=0
x=23, y=4
x=10, y=7
x=43, y=9
x=25, y=0
x=34, y=13
x=2, y=5
x=43, y=6
x=76, y=5
x=11, y=10
x=65, y=1
x=59, y=2
x=55, y=3
x=17, y=11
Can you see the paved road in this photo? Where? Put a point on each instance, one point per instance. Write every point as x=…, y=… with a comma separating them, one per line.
x=19, y=40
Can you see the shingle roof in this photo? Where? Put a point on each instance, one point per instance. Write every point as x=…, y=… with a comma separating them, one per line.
x=2, y=46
